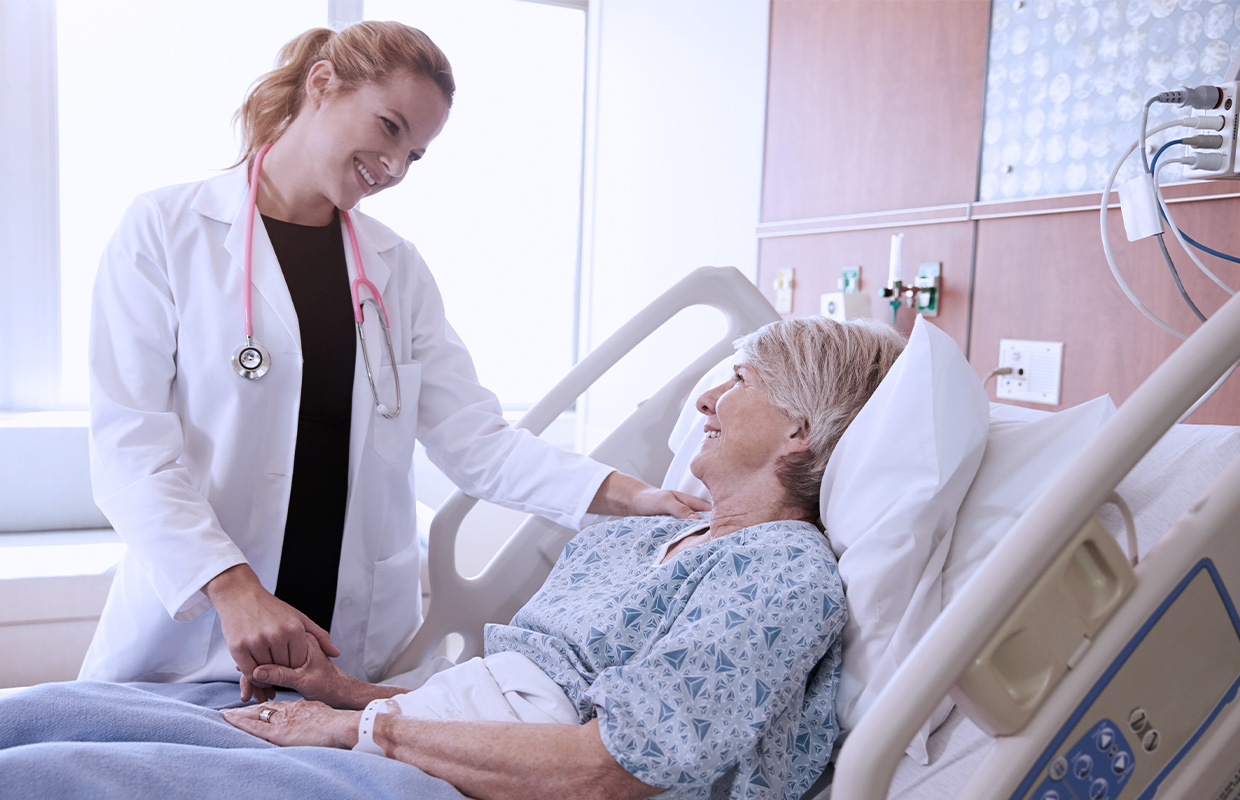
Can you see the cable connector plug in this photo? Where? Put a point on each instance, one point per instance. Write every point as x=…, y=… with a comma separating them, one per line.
x=1206, y=161
x=1196, y=97
x=1204, y=141
x=1208, y=122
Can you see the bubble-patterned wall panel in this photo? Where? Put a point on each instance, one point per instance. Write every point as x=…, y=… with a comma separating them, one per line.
x=1067, y=80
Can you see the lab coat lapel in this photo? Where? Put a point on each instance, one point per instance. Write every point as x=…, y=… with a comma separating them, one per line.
x=266, y=275
x=224, y=198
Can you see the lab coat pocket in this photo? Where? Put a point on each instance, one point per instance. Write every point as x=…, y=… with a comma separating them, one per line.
x=393, y=438
x=395, y=608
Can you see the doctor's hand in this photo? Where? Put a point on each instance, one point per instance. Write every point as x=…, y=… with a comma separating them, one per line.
x=623, y=495
x=320, y=679
x=260, y=628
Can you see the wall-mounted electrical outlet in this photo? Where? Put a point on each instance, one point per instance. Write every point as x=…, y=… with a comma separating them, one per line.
x=1037, y=368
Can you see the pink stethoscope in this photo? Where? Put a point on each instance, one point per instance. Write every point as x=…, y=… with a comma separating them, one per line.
x=251, y=360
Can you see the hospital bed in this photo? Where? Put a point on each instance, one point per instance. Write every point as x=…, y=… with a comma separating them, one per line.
x=1073, y=674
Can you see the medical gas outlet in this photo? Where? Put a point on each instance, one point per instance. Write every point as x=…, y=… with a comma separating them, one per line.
x=783, y=290
x=922, y=295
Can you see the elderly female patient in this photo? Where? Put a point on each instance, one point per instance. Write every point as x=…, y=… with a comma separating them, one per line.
x=662, y=654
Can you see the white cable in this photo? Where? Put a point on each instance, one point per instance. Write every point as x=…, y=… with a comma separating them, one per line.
x=1175, y=229
x=1209, y=393
x=1106, y=234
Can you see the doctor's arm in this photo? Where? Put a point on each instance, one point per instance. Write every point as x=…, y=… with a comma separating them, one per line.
x=461, y=424
x=623, y=496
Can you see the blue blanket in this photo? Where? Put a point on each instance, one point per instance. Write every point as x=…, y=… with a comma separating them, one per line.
x=168, y=741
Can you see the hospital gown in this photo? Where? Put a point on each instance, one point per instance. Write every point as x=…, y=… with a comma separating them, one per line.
x=720, y=665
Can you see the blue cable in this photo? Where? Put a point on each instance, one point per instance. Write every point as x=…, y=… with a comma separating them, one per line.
x=1187, y=238
x=1162, y=245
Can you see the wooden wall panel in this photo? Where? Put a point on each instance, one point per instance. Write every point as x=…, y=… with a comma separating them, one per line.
x=817, y=259
x=874, y=127
x=1045, y=277
x=873, y=105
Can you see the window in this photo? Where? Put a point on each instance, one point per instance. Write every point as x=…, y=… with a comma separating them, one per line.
x=495, y=206
x=145, y=99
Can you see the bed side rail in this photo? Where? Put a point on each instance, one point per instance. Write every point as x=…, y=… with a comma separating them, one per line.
x=872, y=751
x=637, y=446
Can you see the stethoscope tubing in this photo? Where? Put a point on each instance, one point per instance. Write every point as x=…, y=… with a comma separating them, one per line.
x=255, y=354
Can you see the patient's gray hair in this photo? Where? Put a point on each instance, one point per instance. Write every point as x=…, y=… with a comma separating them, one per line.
x=820, y=372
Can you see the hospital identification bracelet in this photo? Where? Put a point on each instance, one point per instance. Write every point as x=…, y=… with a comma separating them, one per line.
x=366, y=726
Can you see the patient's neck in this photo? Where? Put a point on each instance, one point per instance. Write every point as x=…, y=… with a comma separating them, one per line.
x=744, y=509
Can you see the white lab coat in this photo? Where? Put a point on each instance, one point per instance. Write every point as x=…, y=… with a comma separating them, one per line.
x=192, y=463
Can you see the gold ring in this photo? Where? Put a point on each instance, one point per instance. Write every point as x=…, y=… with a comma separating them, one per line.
x=267, y=713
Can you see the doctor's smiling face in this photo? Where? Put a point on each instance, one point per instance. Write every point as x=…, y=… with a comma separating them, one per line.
x=350, y=142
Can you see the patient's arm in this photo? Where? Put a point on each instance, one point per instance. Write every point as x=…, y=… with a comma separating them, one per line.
x=513, y=760
x=484, y=760
x=320, y=679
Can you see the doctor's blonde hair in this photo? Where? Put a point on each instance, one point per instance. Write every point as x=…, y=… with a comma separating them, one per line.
x=367, y=52
x=819, y=372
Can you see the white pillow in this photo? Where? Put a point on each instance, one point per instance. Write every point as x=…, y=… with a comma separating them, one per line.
x=1025, y=451
x=889, y=500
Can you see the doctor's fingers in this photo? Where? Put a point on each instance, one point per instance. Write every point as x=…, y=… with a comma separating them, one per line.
x=323, y=637
x=692, y=503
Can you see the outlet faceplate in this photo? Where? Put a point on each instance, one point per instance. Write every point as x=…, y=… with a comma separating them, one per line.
x=1037, y=368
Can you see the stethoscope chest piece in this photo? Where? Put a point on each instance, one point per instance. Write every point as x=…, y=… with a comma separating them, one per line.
x=251, y=360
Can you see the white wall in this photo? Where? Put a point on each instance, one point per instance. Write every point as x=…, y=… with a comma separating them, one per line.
x=676, y=111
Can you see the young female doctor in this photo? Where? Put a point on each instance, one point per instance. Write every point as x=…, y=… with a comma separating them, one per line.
x=263, y=358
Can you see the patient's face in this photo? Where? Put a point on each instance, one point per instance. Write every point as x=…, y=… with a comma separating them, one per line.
x=745, y=434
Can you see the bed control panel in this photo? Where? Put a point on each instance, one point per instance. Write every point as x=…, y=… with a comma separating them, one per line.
x=1154, y=702
x=1097, y=767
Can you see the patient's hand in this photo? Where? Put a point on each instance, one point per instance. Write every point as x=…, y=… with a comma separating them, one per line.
x=299, y=723
x=318, y=678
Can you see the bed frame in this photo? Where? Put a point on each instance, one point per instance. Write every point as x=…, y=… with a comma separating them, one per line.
x=1135, y=670
x=1150, y=699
